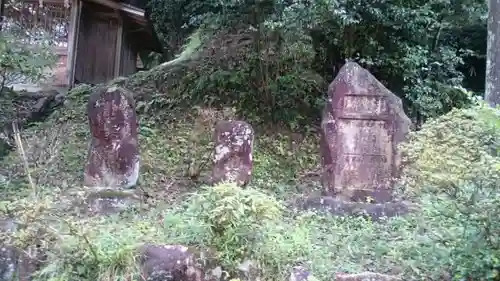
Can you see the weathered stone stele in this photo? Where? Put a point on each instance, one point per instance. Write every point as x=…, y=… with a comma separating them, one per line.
x=362, y=124
x=113, y=157
x=233, y=152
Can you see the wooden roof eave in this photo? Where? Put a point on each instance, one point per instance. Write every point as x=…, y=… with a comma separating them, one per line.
x=128, y=9
x=138, y=15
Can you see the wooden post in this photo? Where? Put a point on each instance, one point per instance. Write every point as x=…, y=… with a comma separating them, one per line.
x=74, y=27
x=118, y=51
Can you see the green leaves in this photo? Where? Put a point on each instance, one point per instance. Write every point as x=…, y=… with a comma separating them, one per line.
x=19, y=60
x=235, y=216
x=450, y=151
x=416, y=47
x=455, y=159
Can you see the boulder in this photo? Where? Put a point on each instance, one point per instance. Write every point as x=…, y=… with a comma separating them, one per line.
x=17, y=264
x=301, y=273
x=175, y=263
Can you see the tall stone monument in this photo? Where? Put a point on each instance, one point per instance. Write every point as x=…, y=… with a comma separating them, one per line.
x=113, y=159
x=362, y=124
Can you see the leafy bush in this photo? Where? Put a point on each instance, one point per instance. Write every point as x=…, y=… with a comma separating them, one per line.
x=20, y=61
x=453, y=150
x=235, y=217
x=454, y=161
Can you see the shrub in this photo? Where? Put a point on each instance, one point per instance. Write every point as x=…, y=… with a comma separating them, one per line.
x=454, y=162
x=21, y=62
x=453, y=150
x=235, y=216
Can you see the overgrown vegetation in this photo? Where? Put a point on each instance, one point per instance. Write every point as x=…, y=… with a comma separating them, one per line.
x=272, y=59
x=452, y=235
x=269, y=62
x=20, y=62
x=455, y=159
x=467, y=142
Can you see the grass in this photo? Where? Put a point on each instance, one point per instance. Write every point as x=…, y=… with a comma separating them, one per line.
x=325, y=244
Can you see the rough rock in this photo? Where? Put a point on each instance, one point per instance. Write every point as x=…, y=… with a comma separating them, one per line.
x=29, y=108
x=8, y=254
x=300, y=273
x=113, y=157
x=175, y=263
x=17, y=264
x=362, y=124
x=7, y=263
x=233, y=152
x=249, y=270
x=337, y=207
x=366, y=276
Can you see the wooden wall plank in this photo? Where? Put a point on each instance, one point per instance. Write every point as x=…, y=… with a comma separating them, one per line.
x=96, y=47
x=118, y=49
x=2, y=11
x=76, y=6
x=128, y=59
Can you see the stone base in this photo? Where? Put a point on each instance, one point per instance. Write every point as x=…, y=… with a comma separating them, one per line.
x=336, y=207
x=106, y=202
x=362, y=195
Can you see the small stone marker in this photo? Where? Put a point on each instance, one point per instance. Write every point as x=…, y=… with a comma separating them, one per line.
x=233, y=152
x=113, y=160
x=362, y=124
x=169, y=262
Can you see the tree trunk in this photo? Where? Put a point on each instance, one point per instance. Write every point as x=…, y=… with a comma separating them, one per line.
x=492, y=87
x=2, y=8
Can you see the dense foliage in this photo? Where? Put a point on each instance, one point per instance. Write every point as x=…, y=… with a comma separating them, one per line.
x=455, y=161
x=454, y=149
x=419, y=49
x=20, y=61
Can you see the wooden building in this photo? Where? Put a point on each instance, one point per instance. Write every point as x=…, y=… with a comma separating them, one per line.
x=103, y=38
